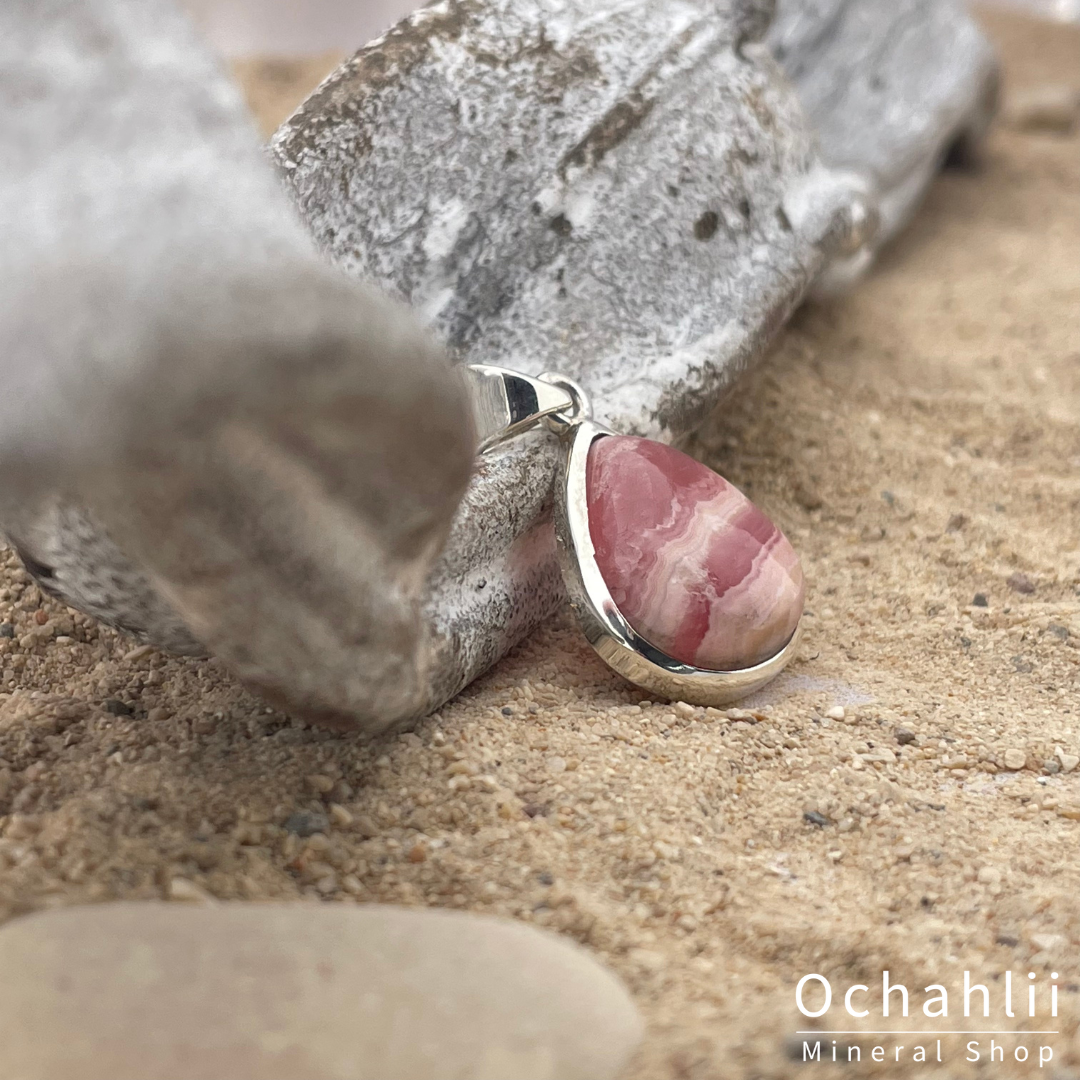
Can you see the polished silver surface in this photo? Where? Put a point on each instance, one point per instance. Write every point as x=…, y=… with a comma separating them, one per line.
x=613, y=638
x=506, y=402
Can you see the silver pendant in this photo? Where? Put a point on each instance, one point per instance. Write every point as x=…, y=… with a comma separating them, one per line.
x=506, y=403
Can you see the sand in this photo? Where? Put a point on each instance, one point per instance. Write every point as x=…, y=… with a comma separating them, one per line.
x=919, y=441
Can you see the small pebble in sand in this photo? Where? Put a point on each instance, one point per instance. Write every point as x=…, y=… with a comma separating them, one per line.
x=306, y=823
x=7, y=630
x=649, y=959
x=814, y=817
x=1021, y=583
x=740, y=714
x=979, y=600
x=1068, y=761
x=807, y=496
x=117, y=708
x=22, y=826
x=904, y=737
x=204, y=725
x=319, y=783
x=1048, y=942
x=1015, y=760
x=187, y=891
x=1054, y=109
x=836, y=713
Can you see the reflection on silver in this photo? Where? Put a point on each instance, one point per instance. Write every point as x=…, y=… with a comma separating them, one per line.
x=505, y=402
x=616, y=642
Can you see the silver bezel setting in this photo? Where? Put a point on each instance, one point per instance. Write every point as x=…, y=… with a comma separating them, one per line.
x=616, y=642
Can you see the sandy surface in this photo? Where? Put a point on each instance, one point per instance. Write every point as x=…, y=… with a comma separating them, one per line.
x=919, y=441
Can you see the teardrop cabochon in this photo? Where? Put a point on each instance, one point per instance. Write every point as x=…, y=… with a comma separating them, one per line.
x=702, y=576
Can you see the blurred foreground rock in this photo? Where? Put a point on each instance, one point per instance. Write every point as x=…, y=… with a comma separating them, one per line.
x=208, y=436
x=150, y=991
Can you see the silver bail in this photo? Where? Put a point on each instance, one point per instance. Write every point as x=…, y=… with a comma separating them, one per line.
x=506, y=402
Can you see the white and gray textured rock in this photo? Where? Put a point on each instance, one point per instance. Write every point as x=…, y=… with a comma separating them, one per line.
x=889, y=89
x=208, y=435
x=157, y=991
x=627, y=191
x=624, y=191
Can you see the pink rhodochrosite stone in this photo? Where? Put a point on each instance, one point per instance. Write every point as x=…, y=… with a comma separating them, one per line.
x=694, y=566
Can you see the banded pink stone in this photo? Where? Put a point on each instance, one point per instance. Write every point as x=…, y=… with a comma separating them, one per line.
x=694, y=566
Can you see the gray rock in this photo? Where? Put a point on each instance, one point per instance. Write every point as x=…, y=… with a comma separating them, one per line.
x=306, y=823
x=286, y=991
x=208, y=436
x=213, y=441
x=889, y=90
x=631, y=196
